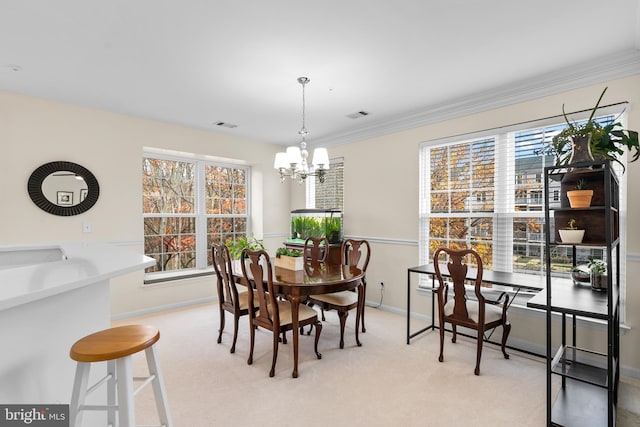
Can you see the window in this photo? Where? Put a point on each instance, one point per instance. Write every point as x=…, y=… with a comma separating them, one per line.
x=487, y=192
x=187, y=206
x=330, y=194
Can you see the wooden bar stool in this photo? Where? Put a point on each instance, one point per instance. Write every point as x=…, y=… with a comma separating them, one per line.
x=115, y=346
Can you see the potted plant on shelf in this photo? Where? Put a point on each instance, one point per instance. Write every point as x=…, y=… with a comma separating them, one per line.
x=571, y=234
x=290, y=259
x=581, y=274
x=581, y=196
x=589, y=141
x=598, y=269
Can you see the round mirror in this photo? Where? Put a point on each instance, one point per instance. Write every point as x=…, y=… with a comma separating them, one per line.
x=63, y=188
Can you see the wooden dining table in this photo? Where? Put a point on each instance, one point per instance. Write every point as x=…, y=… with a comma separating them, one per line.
x=297, y=285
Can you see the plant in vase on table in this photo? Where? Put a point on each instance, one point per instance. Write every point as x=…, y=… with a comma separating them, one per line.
x=571, y=234
x=598, y=269
x=290, y=259
x=588, y=141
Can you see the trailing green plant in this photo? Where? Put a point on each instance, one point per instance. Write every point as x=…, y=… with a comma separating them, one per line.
x=236, y=246
x=597, y=266
x=607, y=142
x=288, y=252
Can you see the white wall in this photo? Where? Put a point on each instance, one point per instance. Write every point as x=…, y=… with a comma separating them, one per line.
x=35, y=131
x=381, y=193
x=381, y=202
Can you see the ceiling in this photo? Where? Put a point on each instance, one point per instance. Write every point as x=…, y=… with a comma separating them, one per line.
x=406, y=62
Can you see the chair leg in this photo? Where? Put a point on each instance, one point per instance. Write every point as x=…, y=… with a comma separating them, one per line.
x=322, y=311
x=441, y=357
x=126, y=406
x=236, y=321
x=221, y=324
x=315, y=346
x=505, y=335
x=342, y=315
x=272, y=372
x=364, y=298
x=455, y=333
x=79, y=393
x=159, y=390
x=112, y=398
x=252, y=336
x=479, y=352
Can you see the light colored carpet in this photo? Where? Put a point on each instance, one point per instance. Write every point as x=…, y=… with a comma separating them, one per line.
x=383, y=383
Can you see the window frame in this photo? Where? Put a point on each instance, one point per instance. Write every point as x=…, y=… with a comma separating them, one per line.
x=502, y=135
x=201, y=216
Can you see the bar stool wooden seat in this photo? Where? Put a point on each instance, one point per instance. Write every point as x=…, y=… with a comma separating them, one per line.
x=116, y=346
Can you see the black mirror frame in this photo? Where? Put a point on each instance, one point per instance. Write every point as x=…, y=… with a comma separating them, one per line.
x=34, y=187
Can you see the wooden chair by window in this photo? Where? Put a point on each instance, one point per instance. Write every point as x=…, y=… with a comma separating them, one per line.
x=355, y=253
x=481, y=315
x=229, y=299
x=273, y=314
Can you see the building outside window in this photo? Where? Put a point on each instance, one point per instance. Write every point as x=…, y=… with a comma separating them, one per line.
x=187, y=206
x=330, y=194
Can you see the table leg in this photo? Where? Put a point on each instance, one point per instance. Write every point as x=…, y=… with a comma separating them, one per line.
x=295, y=322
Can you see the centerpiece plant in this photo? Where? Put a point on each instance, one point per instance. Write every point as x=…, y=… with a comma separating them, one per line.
x=290, y=259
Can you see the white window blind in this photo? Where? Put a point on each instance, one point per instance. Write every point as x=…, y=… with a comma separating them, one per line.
x=485, y=191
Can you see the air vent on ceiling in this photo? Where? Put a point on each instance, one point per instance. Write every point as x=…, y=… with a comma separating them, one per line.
x=226, y=125
x=358, y=114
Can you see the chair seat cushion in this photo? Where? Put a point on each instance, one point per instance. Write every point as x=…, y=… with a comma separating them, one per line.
x=304, y=313
x=342, y=298
x=243, y=300
x=491, y=312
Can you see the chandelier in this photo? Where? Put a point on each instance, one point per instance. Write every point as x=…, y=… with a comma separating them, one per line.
x=293, y=163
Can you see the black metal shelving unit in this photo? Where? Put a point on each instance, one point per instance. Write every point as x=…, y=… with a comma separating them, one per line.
x=589, y=378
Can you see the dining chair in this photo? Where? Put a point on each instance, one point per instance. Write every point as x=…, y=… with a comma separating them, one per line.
x=316, y=249
x=229, y=299
x=272, y=314
x=353, y=253
x=459, y=309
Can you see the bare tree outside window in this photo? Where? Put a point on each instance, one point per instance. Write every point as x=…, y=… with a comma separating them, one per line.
x=172, y=211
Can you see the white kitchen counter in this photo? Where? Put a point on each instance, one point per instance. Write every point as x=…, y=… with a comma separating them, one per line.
x=23, y=281
x=51, y=296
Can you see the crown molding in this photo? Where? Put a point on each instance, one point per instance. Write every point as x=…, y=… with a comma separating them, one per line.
x=618, y=65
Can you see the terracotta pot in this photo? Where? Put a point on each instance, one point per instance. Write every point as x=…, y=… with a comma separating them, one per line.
x=580, y=198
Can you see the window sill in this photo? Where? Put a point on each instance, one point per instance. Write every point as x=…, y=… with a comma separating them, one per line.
x=154, y=278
